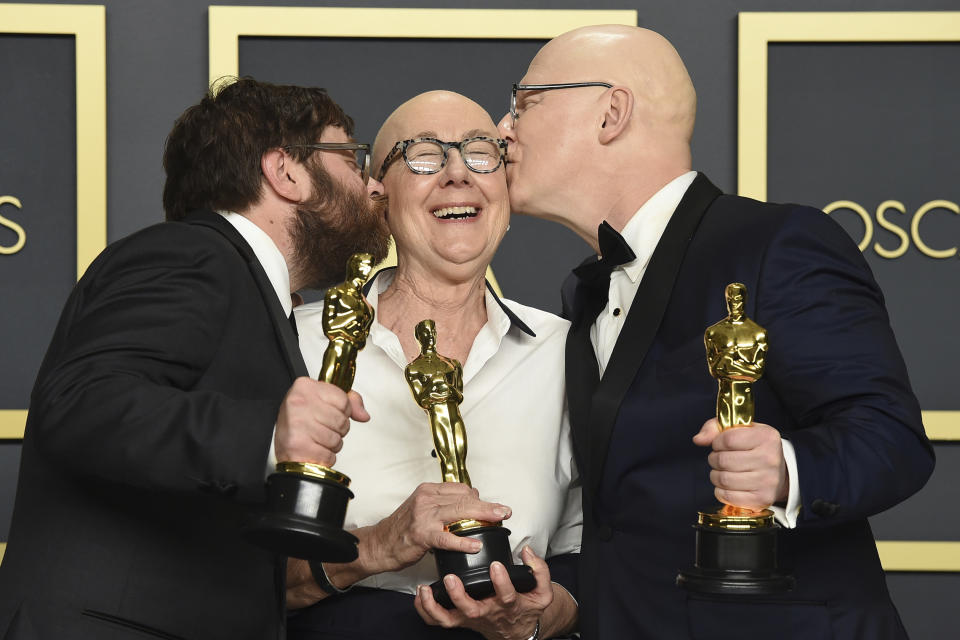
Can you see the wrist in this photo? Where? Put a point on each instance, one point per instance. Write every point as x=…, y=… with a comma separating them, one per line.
x=375, y=555
x=323, y=580
x=536, y=632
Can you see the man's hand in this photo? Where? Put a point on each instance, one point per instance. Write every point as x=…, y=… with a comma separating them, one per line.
x=313, y=419
x=748, y=469
x=506, y=615
x=417, y=525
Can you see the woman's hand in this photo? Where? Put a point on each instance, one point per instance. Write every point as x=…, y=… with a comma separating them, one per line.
x=418, y=525
x=506, y=615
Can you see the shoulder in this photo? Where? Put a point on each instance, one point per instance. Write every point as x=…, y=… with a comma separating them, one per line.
x=168, y=247
x=764, y=223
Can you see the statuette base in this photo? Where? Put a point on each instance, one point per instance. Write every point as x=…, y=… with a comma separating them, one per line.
x=736, y=555
x=473, y=569
x=306, y=519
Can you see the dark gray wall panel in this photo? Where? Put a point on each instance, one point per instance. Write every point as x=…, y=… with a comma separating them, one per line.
x=38, y=166
x=858, y=122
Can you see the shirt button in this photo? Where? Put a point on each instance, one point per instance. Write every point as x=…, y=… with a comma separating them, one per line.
x=616, y=312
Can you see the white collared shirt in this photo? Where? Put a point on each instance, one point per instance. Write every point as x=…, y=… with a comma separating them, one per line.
x=642, y=232
x=519, y=449
x=274, y=264
x=268, y=254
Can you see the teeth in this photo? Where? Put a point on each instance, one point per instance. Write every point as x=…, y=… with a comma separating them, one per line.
x=447, y=213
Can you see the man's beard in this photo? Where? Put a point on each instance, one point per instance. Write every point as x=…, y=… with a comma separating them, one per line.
x=329, y=228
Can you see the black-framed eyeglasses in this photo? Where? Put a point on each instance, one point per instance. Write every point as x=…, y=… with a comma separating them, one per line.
x=428, y=155
x=514, y=114
x=361, y=153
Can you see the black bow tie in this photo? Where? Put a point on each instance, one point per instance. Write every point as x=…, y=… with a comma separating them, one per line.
x=615, y=252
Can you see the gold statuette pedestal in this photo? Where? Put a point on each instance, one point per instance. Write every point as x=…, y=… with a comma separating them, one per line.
x=437, y=385
x=736, y=548
x=307, y=502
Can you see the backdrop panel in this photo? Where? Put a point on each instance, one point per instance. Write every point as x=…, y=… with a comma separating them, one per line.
x=391, y=56
x=52, y=191
x=858, y=118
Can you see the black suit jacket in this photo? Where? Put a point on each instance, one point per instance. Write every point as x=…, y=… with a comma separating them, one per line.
x=146, y=447
x=835, y=386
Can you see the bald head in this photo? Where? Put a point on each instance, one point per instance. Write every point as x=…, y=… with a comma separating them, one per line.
x=423, y=115
x=637, y=58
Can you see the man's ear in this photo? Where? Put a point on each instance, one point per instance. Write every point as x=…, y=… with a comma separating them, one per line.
x=282, y=174
x=616, y=115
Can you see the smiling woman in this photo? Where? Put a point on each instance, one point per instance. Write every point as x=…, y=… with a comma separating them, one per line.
x=441, y=164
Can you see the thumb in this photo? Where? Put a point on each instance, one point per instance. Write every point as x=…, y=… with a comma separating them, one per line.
x=708, y=432
x=357, y=411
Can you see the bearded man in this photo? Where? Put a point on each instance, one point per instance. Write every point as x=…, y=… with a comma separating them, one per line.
x=174, y=383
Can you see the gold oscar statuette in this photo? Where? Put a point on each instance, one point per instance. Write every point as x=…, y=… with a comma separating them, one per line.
x=436, y=383
x=736, y=547
x=308, y=501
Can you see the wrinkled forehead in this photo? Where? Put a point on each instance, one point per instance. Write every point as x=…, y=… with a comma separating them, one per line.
x=442, y=115
x=447, y=121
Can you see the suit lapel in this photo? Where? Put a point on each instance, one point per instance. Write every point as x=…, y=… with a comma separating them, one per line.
x=582, y=372
x=281, y=324
x=642, y=323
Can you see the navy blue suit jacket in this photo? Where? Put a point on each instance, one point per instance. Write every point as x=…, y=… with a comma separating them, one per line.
x=835, y=386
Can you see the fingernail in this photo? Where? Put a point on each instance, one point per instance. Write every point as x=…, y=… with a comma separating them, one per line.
x=502, y=512
x=449, y=580
x=475, y=546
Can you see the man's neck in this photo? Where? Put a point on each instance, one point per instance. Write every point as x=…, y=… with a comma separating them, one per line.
x=274, y=222
x=623, y=198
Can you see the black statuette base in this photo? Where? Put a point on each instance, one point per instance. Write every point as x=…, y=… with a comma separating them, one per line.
x=305, y=519
x=473, y=569
x=731, y=562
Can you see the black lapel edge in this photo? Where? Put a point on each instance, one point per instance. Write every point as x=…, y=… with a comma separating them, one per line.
x=281, y=324
x=580, y=367
x=643, y=322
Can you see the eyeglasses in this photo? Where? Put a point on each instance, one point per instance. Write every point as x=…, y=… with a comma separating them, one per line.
x=361, y=151
x=514, y=114
x=428, y=155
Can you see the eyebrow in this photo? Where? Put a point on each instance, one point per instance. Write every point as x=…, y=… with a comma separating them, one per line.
x=472, y=133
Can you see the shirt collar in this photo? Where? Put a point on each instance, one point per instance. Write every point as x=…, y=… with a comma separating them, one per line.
x=267, y=254
x=642, y=232
x=499, y=314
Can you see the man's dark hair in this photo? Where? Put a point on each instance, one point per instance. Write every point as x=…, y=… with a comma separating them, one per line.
x=212, y=156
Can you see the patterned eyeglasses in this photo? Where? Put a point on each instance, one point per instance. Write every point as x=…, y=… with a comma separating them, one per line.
x=428, y=155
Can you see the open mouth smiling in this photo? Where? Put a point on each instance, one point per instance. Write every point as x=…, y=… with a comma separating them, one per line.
x=456, y=213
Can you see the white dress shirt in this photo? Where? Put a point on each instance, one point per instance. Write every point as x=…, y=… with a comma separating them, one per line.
x=642, y=233
x=519, y=449
x=273, y=262
x=267, y=254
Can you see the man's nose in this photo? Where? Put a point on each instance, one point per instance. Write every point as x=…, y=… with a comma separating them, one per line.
x=374, y=187
x=505, y=127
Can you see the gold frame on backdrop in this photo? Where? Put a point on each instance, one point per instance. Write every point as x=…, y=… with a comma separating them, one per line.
x=87, y=24
x=228, y=24
x=757, y=31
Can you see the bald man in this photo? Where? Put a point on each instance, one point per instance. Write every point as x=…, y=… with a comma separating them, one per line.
x=599, y=140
